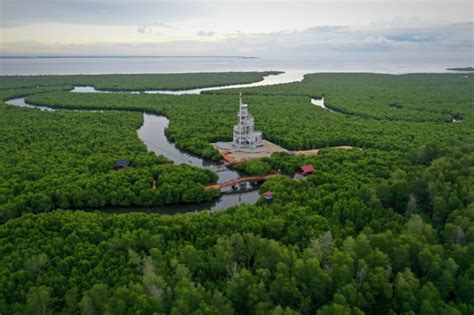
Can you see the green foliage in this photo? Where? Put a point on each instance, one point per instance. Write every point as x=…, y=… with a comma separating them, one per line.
x=256, y=167
x=386, y=228
x=215, y=263
x=288, y=118
x=410, y=97
x=136, y=82
x=66, y=160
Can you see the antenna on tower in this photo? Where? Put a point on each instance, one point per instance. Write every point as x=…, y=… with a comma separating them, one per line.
x=240, y=95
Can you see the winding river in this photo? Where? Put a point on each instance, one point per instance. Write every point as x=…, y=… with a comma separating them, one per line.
x=152, y=134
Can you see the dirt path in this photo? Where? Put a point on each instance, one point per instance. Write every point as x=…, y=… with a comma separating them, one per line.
x=316, y=151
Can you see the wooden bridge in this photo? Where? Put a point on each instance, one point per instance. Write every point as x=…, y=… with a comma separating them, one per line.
x=248, y=179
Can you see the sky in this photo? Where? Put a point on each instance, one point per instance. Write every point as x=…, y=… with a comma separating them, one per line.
x=441, y=31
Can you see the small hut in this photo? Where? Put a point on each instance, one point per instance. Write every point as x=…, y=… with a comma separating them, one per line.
x=268, y=195
x=121, y=164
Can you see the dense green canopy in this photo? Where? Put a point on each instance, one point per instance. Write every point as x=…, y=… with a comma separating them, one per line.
x=384, y=228
x=135, y=82
x=67, y=160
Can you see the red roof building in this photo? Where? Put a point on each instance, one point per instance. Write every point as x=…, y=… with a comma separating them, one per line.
x=268, y=195
x=307, y=169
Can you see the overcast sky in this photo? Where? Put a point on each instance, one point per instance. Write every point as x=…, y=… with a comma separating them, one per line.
x=270, y=29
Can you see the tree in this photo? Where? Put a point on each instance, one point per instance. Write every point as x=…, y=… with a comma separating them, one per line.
x=284, y=290
x=37, y=264
x=313, y=281
x=244, y=291
x=71, y=299
x=189, y=298
x=38, y=300
x=406, y=288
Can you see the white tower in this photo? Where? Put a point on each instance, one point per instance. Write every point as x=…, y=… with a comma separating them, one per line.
x=244, y=134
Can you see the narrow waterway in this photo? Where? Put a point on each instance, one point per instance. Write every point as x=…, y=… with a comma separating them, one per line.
x=20, y=102
x=285, y=77
x=152, y=134
x=320, y=103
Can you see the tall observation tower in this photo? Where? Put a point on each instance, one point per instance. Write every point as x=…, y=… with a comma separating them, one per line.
x=244, y=134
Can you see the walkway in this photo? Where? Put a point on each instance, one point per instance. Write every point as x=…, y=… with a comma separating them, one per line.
x=248, y=179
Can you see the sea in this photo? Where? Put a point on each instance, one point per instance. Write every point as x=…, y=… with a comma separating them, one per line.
x=44, y=65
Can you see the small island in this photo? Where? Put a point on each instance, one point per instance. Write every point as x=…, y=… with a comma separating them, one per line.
x=470, y=69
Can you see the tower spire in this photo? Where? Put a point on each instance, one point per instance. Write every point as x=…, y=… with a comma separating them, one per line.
x=245, y=136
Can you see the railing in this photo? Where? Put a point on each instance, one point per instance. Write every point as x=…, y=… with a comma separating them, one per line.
x=248, y=179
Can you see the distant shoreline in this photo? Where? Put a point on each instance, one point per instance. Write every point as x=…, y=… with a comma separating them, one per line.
x=74, y=64
x=461, y=69
x=157, y=57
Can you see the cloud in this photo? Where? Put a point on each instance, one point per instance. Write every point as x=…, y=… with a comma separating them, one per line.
x=205, y=34
x=144, y=29
x=151, y=28
x=321, y=44
x=326, y=28
x=410, y=37
x=164, y=25
x=15, y=13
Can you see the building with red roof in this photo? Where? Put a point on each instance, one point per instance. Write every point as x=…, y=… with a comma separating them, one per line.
x=307, y=169
x=268, y=195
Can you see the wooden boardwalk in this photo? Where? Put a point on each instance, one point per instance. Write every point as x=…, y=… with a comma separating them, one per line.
x=248, y=179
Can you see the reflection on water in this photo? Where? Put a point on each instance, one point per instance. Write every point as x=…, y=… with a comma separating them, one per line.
x=112, y=65
x=286, y=77
x=224, y=202
x=85, y=89
x=152, y=133
x=91, y=89
x=20, y=102
x=320, y=103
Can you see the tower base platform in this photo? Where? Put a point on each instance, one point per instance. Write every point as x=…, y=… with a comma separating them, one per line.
x=234, y=155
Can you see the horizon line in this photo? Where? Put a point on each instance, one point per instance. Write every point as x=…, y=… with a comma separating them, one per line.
x=38, y=56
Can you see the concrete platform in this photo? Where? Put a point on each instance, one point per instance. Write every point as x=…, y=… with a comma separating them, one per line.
x=232, y=155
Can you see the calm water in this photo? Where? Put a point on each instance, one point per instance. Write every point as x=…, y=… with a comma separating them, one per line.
x=224, y=202
x=152, y=134
x=320, y=103
x=30, y=66
x=286, y=77
x=20, y=102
